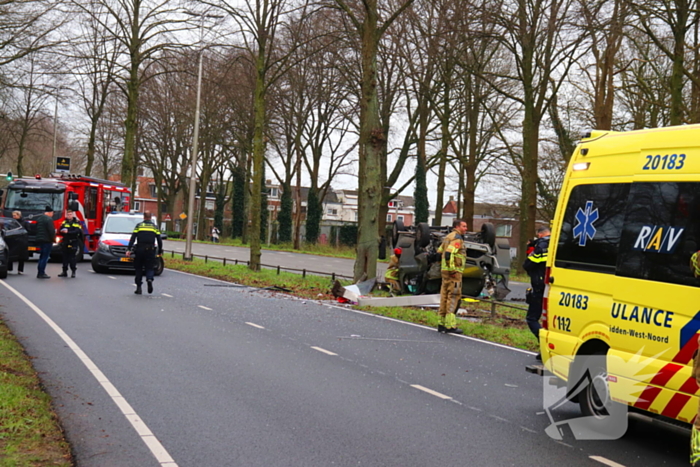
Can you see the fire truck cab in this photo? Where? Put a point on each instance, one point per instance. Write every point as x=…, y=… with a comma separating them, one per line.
x=91, y=199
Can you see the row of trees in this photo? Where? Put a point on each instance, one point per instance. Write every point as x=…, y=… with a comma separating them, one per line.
x=477, y=91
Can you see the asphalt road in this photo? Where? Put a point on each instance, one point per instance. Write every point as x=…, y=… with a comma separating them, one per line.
x=286, y=259
x=202, y=373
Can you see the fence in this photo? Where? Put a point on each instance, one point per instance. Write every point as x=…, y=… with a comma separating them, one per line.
x=279, y=268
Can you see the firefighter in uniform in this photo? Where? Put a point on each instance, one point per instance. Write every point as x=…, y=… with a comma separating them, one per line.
x=392, y=273
x=452, y=265
x=71, y=241
x=145, y=236
x=535, y=265
x=695, y=433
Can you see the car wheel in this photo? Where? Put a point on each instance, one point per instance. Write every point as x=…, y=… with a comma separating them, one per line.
x=397, y=227
x=594, y=398
x=422, y=235
x=97, y=268
x=3, y=268
x=160, y=265
x=488, y=234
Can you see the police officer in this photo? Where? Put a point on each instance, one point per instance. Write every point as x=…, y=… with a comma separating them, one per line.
x=535, y=265
x=454, y=257
x=392, y=273
x=71, y=239
x=145, y=235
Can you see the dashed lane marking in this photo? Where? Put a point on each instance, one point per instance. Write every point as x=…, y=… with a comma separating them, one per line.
x=327, y=352
x=204, y=307
x=147, y=436
x=166, y=295
x=430, y=391
x=112, y=277
x=605, y=461
x=254, y=325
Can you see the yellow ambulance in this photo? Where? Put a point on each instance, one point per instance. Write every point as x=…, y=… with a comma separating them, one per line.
x=619, y=279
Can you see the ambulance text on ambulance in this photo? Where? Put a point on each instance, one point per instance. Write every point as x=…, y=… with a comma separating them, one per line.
x=641, y=315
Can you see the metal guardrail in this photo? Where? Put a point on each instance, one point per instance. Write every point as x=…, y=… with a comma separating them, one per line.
x=279, y=268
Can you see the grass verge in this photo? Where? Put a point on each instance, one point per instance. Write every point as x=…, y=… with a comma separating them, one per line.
x=307, y=248
x=30, y=434
x=506, y=326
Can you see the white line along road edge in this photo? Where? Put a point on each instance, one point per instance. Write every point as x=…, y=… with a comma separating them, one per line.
x=144, y=432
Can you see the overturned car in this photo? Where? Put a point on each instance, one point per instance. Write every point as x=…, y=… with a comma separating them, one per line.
x=487, y=268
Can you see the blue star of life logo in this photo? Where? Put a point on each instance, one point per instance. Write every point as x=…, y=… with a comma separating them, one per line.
x=585, y=229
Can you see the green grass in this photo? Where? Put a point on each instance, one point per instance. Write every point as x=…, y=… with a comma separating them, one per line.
x=507, y=326
x=30, y=434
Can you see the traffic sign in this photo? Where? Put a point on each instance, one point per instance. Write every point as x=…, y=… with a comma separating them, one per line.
x=167, y=217
x=183, y=216
x=63, y=164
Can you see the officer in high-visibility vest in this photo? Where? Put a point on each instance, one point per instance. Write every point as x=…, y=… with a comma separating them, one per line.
x=392, y=273
x=695, y=433
x=535, y=265
x=71, y=240
x=145, y=236
x=454, y=258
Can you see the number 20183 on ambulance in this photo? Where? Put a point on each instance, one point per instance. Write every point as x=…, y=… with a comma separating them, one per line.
x=619, y=278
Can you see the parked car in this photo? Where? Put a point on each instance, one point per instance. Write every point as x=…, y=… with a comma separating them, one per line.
x=114, y=241
x=487, y=267
x=13, y=243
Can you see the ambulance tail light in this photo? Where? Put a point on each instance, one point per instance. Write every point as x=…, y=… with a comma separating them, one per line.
x=545, y=300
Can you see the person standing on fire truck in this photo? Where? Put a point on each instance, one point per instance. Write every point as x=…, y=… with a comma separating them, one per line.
x=145, y=236
x=71, y=240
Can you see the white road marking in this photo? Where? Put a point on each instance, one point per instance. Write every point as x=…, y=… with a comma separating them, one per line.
x=430, y=391
x=493, y=344
x=144, y=432
x=111, y=277
x=254, y=325
x=204, y=307
x=90, y=270
x=327, y=352
x=605, y=461
x=166, y=295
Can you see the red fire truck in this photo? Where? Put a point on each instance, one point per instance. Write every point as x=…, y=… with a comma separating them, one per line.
x=91, y=199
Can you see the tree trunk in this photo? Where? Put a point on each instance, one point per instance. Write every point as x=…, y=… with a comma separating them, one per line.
x=372, y=140
x=127, y=175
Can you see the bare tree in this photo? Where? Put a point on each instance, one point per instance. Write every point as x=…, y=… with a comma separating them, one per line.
x=260, y=24
x=366, y=24
x=543, y=44
x=143, y=29
x=97, y=56
x=680, y=17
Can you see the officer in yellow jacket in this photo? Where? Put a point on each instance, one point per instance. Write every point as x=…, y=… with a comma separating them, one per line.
x=454, y=258
x=695, y=433
x=143, y=243
x=392, y=273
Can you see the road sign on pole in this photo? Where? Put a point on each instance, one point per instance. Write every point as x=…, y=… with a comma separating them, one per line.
x=63, y=164
x=167, y=217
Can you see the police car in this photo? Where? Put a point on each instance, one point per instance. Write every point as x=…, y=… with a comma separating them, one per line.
x=114, y=241
x=619, y=281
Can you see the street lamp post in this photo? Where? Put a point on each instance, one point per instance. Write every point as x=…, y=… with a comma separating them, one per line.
x=195, y=140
